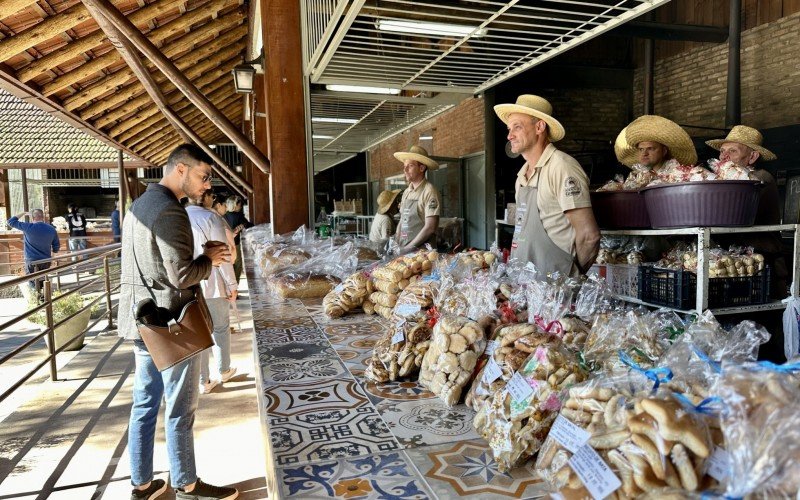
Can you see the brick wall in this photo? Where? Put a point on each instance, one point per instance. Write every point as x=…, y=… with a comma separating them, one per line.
x=457, y=132
x=690, y=87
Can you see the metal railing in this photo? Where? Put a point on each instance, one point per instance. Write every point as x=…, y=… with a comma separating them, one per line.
x=96, y=259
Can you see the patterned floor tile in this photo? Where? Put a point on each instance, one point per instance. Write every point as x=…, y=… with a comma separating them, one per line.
x=385, y=475
x=424, y=423
x=354, y=359
x=364, y=343
x=270, y=352
x=401, y=390
x=365, y=327
x=467, y=469
x=322, y=420
x=283, y=370
x=291, y=334
x=323, y=320
x=273, y=320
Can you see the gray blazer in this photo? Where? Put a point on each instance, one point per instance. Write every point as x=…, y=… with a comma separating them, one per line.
x=160, y=230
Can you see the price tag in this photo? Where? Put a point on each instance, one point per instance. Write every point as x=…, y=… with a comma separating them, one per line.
x=339, y=288
x=399, y=334
x=569, y=435
x=491, y=346
x=519, y=388
x=593, y=472
x=407, y=309
x=492, y=371
x=718, y=465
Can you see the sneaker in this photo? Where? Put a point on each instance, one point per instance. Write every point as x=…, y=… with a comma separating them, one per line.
x=203, y=491
x=227, y=375
x=156, y=489
x=207, y=387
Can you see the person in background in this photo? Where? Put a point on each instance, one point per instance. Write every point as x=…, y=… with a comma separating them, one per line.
x=38, y=238
x=383, y=225
x=219, y=289
x=238, y=222
x=158, y=249
x=221, y=208
x=77, y=228
x=420, y=205
x=115, y=227
x=555, y=227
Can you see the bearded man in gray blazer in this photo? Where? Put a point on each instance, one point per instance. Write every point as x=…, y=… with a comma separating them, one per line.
x=158, y=244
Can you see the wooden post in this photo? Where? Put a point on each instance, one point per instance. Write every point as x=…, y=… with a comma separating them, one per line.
x=25, y=206
x=123, y=187
x=259, y=202
x=109, y=311
x=51, y=334
x=285, y=110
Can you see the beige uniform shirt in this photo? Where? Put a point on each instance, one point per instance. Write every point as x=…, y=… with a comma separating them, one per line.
x=425, y=201
x=382, y=228
x=562, y=185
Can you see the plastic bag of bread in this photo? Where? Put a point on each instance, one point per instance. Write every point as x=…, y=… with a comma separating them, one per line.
x=401, y=349
x=761, y=404
x=465, y=264
x=550, y=299
x=615, y=184
x=393, y=277
x=456, y=344
x=639, y=177
x=516, y=420
x=348, y=295
x=276, y=257
x=729, y=171
x=594, y=297
x=647, y=441
x=315, y=277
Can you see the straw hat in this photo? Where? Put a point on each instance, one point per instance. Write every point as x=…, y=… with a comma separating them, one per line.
x=748, y=136
x=419, y=154
x=654, y=128
x=626, y=154
x=537, y=107
x=385, y=200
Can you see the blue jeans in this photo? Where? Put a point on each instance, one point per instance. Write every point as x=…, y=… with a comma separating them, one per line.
x=178, y=386
x=77, y=244
x=220, y=318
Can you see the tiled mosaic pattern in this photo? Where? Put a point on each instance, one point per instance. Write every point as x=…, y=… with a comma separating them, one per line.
x=333, y=434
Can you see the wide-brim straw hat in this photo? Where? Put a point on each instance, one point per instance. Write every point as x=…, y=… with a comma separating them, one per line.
x=385, y=200
x=654, y=128
x=535, y=106
x=748, y=136
x=419, y=154
x=626, y=154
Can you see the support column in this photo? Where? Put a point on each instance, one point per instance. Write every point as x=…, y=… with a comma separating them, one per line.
x=733, y=101
x=123, y=186
x=260, y=199
x=25, y=206
x=285, y=113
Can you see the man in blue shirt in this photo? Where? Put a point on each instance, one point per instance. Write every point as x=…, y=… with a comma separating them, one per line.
x=115, y=227
x=39, y=238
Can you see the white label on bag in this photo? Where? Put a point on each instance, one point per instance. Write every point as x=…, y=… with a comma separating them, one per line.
x=398, y=336
x=491, y=346
x=719, y=464
x=569, y=435
x=519, y=388
x=492, y=371
x=593, y=472
x=339, y=288
x=407, y=309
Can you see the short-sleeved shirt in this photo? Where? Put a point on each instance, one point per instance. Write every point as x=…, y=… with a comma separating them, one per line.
x=563, y=186
x=382, y=228
x=429, y=204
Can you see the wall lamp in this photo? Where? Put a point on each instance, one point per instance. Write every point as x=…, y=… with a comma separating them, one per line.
x=244, y=74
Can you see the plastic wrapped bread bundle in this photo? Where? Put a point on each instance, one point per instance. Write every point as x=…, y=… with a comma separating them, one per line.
x=465, y=264
x=400, y=350
x=315, y=277
x=516, y=419
x=593, y=298
x=348, y=296
x=257, y=235
x=393, y=277
x=640, y=176
x=761, y=402
x=651, y=441
x=729, y=171
x=276, y=257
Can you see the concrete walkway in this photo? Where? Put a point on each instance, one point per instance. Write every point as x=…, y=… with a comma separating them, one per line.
x=68, y=439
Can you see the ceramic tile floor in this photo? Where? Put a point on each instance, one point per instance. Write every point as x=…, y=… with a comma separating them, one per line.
x=333, y=434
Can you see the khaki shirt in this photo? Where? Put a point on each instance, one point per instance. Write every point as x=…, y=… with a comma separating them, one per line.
x=382, y=228
x=429, y=204
x=562, y=185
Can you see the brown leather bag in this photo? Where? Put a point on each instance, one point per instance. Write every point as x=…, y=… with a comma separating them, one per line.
x=183, y=337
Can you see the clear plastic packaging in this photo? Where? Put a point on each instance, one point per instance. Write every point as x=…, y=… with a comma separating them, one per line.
x=400, y=350
x=347, y=296
x=393, y=277
x=315, y=277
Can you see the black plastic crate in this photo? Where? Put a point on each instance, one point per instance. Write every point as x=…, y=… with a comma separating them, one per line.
x=678, y=289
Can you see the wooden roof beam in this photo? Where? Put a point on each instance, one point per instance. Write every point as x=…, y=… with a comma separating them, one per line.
x=93, y=40
x=9, y=7
x=158, y=35
x=118, y=78
x=167, y=145
x=167, y=67
x=45, y=30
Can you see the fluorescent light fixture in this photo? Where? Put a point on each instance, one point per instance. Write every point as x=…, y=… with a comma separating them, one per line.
x=365, y=90
x=426, y=138
x=426, y=28
x=348, y=121
x=317, y=136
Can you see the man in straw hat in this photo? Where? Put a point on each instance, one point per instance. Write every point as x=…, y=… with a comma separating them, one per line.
x=651, y=141
x=420, y=205
x=743, y=147
x=383, y=225
x=555, y=226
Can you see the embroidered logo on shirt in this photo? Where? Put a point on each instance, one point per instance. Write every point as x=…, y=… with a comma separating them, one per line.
x=433, y=204
x=571, y=187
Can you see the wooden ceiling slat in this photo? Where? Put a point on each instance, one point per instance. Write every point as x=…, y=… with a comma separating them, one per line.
x=173, y=96
x=45, y=30
x=166, y=146
x=9, y=7
x=89, y=42
x=110, y=82
x=156, y=36
x=194, y=70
